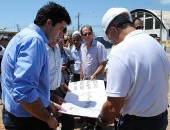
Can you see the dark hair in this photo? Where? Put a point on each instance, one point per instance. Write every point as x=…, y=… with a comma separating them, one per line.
x=87, y=26
x=0, y=60
x=53, y=11
x=65, y=30
x=136, y=18
x=121, y=21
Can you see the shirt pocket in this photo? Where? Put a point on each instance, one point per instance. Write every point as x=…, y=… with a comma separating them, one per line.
x=91, y=57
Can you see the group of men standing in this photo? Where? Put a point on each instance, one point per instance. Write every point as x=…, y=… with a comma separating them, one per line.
x=31, y=71
x=35, y=70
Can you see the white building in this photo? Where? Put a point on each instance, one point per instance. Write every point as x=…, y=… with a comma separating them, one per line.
x=155, y=22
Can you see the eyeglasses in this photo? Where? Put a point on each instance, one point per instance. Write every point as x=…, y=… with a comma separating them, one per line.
x=87, y=34
x=139, y=27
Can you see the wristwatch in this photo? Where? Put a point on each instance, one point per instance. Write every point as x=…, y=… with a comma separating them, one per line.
x=104, y=124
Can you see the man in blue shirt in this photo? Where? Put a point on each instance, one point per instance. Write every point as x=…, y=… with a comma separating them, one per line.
x=77, y=41
x=25, y=72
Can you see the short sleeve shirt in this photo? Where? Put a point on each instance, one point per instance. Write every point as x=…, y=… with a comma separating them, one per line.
x=139, y=71
x=91, y=59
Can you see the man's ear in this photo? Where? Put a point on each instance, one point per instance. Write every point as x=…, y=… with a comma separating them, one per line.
x=49, y=23
x=114, y=31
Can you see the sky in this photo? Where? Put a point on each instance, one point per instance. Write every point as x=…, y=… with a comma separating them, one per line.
x=20, y=13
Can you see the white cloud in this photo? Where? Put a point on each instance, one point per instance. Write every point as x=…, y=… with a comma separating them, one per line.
x=165, y=1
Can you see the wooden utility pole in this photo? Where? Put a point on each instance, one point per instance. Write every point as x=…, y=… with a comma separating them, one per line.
x=161, y=26
x=78, y=17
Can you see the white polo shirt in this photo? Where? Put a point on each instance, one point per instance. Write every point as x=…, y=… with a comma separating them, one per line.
x=139, y=71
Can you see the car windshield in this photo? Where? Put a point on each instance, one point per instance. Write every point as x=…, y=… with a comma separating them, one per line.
x=107, y=44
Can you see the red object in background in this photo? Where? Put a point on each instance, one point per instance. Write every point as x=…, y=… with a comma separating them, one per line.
x=158, y=39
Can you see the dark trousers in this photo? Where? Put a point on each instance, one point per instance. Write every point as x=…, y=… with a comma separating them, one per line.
x=76, y=77
x=90, y=121
x=129, y=122
x=12, y=122
x=67, y=121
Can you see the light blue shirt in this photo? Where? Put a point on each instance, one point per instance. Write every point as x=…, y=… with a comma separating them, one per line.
x=76, y=56
x=91, y=59
x=65, y=55
x=55, y=65
x=25, y=74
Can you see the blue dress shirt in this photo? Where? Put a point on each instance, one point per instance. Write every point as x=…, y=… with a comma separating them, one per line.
x=25, y=74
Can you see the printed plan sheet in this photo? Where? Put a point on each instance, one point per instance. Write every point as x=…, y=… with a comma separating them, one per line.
x=85, y=99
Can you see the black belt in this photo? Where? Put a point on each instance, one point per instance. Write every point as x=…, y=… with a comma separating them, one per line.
x=162, y=115
x=4, y=110
x=76, y=74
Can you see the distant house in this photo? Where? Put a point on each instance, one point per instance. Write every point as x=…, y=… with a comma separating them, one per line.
x=8, y=36
x=156, y=22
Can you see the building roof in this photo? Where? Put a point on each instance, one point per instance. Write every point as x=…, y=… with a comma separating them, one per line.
x=157, y=14
x=165, y=17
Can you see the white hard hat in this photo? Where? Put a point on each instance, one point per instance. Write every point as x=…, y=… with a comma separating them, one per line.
x=109, y=16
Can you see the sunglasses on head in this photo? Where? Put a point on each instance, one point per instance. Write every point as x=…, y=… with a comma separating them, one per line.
x=139, y=27
x=87, y=34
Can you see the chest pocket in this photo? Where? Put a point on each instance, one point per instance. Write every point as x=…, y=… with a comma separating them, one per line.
x=91, y=57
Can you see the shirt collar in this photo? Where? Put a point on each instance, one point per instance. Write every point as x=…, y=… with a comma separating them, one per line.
x=94, y=42
x=39, y=30
x=136, y=32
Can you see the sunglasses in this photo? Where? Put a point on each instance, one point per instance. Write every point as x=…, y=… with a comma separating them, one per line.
x=139, y=27
x=87, y=34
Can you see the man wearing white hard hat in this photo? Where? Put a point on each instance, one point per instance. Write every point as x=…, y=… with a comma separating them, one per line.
x=138, y=73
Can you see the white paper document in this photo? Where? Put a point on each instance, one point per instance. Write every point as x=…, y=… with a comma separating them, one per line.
x=85, y=99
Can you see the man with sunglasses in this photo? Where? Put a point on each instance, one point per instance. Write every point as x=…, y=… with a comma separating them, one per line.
x=93, y=56
x=93, y=61
x=138, y=24
x=138, y=73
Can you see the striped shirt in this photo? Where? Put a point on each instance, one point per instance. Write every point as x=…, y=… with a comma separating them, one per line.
x=55, y=64
x=91, y=59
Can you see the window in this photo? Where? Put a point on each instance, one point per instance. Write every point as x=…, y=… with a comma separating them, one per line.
x=148, y=23
x=140, y=14
x=148, y=15
x=157, y=24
